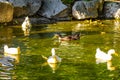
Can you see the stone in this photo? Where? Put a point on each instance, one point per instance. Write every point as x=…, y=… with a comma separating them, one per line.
x=51, y=8
x=86, y=9
x=6, y=11
x=25, y=7
x=112, y=10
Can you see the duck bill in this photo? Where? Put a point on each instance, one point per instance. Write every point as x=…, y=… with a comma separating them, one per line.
x=116, y=54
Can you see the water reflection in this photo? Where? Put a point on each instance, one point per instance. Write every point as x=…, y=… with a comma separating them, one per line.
x=79, y=61
x=110, y=66
x=116, y=25
x=6, y=35
x=78, y=27
x=6, y=61
x=117, y=33
x=53, y=66
x=6, y=67
x=7, y=64
x=14, y=56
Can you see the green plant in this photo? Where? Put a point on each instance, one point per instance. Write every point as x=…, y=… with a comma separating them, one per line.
x=67, y=1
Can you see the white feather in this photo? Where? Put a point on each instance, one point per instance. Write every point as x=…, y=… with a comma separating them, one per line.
x=102, y=57
x=54, y=58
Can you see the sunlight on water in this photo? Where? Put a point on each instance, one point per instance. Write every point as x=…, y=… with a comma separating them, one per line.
x=78, y=56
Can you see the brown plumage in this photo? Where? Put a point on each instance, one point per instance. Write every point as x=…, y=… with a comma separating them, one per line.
x=68, y=38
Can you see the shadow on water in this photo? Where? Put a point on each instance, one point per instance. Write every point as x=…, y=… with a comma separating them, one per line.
x=78, y=57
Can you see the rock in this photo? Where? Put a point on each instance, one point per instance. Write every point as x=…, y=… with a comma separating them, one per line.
x=6, y=11
x=112, y=9
x=62, y=14
x=51, y=8
x=25, y=7
x=86, y=9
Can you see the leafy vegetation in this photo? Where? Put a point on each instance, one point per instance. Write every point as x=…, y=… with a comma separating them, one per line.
x=67, y=1
x=70, y=1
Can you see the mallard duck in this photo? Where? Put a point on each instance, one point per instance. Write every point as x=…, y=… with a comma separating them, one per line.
x=54, y=58
x=68, y=38
x=11, y=50
x=26, y=26
x=102, y=57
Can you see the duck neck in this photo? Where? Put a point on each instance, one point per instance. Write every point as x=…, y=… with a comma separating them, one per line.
x=98, y=50
x=5, y=47
x=110, y=54
x=53, y=52
x=59, y=37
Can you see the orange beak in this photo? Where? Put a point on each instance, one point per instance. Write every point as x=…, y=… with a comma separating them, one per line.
x=116, y=54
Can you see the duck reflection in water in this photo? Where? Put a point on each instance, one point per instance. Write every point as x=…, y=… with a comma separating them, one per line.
x=109, y=66
x=14, y=56
x=102, y=57
x=26, y=26
x=6, y=65
x=5, y=68
x=53, y=61
x=6, y=61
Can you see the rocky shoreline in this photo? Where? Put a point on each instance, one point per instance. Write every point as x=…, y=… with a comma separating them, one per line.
x=50, y=11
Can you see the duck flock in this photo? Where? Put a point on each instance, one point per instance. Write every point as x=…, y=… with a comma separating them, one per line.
x=10, y=53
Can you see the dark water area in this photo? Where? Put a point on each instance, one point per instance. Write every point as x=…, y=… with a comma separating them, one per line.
x=78, y=57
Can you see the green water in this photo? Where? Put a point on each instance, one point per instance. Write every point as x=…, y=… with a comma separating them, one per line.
x=78, y=57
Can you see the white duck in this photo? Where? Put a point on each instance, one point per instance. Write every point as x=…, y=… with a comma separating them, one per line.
x=11, y=50
x=26, y=26
x=54, y=58
x=102, y=57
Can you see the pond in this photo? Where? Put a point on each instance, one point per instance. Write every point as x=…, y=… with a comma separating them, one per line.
x=78, y=56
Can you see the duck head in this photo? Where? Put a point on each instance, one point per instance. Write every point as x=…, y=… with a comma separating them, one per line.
x=57, y=36
x=98, y=49
x=5, y=47
x=112, y=51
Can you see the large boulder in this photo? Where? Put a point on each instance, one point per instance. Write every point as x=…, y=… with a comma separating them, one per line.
x=51, y=8
x=87, y=9
x=112, y=9
x=6, y=11
x=25, y=7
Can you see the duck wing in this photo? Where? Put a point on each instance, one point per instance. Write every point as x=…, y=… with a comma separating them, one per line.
x=54, y=59
x=75, y=36
x=58, y=59
x=100, y=54
x=12, y=51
